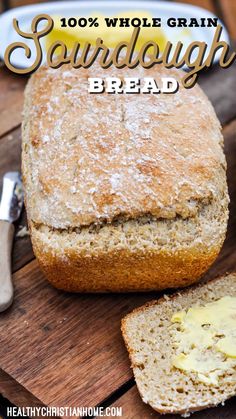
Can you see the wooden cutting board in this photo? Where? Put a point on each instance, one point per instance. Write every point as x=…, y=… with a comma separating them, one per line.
x=59, y=349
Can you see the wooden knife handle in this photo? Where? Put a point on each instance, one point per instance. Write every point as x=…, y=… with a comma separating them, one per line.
x=6, y=286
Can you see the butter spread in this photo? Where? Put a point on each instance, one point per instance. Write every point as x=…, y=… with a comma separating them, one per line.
x=205, y=339
x=112, y=35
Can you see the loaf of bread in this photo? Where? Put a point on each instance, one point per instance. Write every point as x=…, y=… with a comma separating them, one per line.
x=150, y=334
x=123, y=192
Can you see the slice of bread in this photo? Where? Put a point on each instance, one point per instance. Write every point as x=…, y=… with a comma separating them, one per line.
x=149, y=336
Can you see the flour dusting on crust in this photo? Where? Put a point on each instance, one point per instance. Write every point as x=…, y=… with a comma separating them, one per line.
x=95, y=158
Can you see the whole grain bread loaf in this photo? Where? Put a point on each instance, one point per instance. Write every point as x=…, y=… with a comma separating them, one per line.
x=149, y=335
x=123, y=192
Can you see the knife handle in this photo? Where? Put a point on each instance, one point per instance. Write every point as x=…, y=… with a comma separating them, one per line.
x=6, y=286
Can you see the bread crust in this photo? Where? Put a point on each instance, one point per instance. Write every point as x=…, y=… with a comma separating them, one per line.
x=93, y=159
x=122, y=270
x=197, y=292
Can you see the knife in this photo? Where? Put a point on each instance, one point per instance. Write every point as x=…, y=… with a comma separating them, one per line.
x=10, y=210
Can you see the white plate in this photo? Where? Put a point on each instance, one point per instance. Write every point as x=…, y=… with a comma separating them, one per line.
x=160, y=9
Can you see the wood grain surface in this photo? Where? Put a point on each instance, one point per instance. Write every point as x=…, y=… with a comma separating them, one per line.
x=61, y=349
x=228, y=8
x=11, y=100
x=68, y=348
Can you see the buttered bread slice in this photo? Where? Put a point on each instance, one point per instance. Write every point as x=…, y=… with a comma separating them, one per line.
x=183, y=348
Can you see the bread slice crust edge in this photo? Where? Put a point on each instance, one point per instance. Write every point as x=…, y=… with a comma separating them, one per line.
x=195, y=294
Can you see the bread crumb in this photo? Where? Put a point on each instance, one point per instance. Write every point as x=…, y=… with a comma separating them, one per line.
x=23, y=232
x=150, y=339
